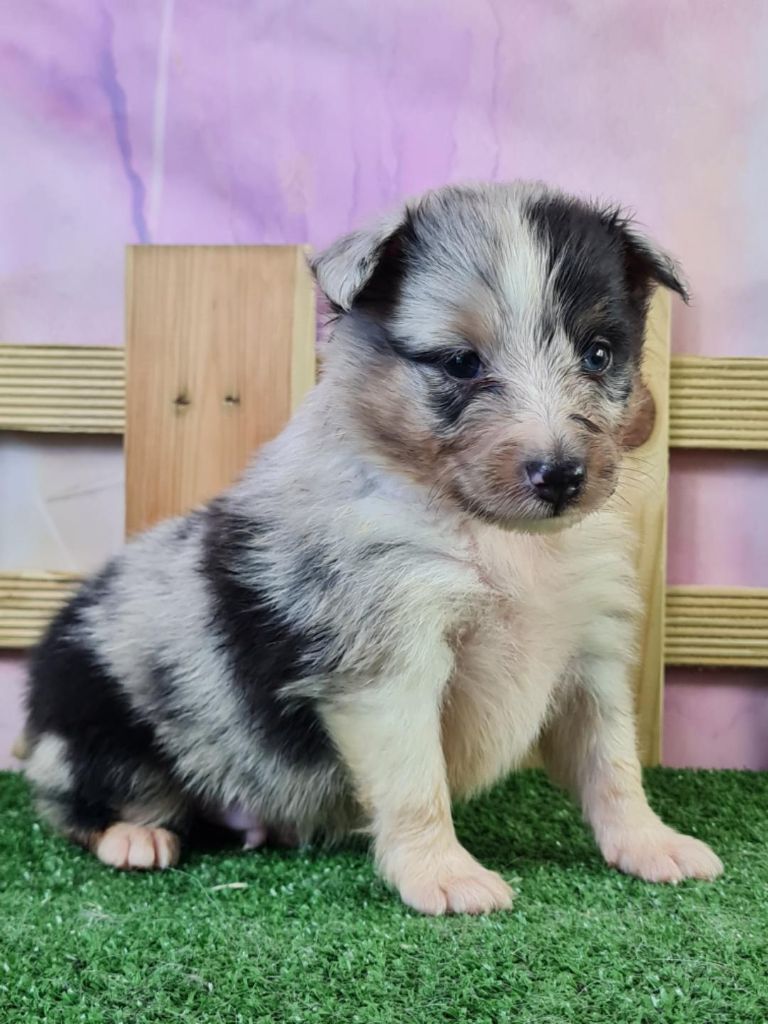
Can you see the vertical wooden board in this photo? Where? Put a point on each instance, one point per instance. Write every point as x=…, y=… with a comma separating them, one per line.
x=220, y=344
x=643, y=493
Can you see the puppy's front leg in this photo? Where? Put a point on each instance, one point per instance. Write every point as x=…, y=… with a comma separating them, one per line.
x=388, y=732
x=590, y=747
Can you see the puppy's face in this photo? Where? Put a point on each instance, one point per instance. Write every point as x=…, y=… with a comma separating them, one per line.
x=490, y=342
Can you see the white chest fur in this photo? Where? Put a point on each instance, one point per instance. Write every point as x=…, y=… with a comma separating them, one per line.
x=548, y=607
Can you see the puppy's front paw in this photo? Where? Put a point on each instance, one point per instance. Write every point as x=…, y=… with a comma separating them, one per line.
x=454, y=883
x=659, y=854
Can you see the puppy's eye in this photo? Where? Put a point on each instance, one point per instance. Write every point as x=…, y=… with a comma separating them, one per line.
x=463, y=365
x=597, y=358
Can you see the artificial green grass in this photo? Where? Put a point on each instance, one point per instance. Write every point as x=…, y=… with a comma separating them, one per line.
x=315, y=937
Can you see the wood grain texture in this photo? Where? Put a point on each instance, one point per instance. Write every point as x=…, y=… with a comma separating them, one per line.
x=28, y=601
x=642, y=496
x=62, y=389
x=719, y=403
x=722, y=626
x=220, y=345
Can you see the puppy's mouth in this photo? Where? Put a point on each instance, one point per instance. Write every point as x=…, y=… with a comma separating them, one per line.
x=533, y=517
x=522, y=508
x=550, y=520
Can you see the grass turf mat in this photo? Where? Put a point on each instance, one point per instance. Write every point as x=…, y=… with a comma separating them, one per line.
x=311, y=937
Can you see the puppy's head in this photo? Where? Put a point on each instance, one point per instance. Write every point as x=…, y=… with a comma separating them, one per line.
x=489, y=343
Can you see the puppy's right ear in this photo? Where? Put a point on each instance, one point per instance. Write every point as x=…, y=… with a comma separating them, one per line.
x=348, y=267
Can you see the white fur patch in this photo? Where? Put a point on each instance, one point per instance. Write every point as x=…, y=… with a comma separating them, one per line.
x=48, y=764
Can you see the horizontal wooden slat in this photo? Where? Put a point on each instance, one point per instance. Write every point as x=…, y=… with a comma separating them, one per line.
x=704, y=625
x=28, y=601
x=714, y=402
x=724, y=626
x=63, y=389
x=718, y=403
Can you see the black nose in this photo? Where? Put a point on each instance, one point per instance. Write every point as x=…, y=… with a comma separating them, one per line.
x=558, y=482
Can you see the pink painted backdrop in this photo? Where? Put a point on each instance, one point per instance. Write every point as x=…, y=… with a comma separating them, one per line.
x=267, y=121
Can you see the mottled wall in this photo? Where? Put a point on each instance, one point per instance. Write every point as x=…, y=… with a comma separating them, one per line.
x=273, y=121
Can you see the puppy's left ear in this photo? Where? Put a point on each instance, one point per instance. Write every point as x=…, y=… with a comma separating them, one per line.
x=647, y=264
x=345, y=268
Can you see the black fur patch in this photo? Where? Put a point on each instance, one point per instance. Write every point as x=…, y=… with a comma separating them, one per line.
x=381, y=292
x=587, y=262
x=73, y=696
x=448, y=400
x=313, y=567
x=265, y=652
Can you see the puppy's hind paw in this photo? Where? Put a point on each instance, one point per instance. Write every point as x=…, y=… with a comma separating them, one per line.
x=139, y=847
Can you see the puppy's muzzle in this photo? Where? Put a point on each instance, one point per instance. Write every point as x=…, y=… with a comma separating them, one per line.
x=558, y=482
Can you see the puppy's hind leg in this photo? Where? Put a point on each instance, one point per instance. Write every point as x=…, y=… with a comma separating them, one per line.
x=389, y=733
x=130, y=815
x=93, y=761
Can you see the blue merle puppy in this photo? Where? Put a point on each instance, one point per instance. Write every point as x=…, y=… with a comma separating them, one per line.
x=422, y=577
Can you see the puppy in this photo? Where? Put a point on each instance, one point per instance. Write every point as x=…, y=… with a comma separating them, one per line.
x=419, y=579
